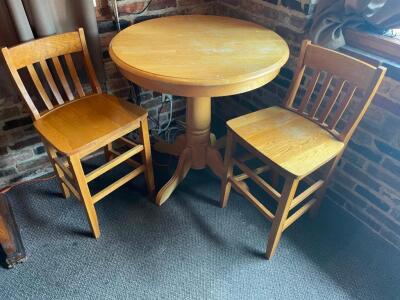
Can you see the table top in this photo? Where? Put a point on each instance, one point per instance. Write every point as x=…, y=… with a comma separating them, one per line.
x=199, y=55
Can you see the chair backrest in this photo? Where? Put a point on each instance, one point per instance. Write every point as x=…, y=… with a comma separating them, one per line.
x=339, y=89
x=52, y=52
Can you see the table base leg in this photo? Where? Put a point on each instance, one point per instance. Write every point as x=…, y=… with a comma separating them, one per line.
x=199, y=152
x=184, y=165
x=215, y=161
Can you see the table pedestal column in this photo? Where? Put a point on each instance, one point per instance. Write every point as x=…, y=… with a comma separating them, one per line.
x=197, y=152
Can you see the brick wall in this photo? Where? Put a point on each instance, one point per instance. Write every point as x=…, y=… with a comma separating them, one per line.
x=22, y=156
x=367, y=180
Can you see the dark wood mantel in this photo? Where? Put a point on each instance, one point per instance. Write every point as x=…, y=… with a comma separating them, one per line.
x=10, y=238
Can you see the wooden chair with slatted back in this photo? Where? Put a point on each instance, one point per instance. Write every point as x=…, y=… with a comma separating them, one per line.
x=73, y=126
x=304, y=140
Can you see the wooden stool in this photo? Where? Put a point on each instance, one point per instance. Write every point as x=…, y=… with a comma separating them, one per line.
x=73, y=126
x=308, y=134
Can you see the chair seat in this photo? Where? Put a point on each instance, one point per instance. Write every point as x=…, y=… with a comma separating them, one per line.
x=89, y=122
x=289, y=140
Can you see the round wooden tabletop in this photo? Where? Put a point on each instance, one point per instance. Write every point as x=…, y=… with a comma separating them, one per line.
x=199, y=56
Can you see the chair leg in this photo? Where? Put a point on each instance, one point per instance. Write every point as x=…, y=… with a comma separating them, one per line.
x=281, y=214
x=228, y=169
x=107, y=154
x=321, y=192
x=146, y=158
x=52, y=153
x=275, y=180
x=83, y=189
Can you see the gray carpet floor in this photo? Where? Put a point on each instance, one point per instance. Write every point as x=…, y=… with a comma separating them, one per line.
x=190, y=249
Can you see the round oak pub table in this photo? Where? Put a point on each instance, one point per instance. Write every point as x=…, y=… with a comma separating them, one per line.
x=197, y=57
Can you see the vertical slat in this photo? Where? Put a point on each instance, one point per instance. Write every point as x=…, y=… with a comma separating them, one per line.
x=39, y=86
x=321, y=95
x=63, y=79
x=74, y=75
x=332, y=100
x=20, y=84
x=310, y=89
x=88, y=64
x=51, y=81
x=343, y=105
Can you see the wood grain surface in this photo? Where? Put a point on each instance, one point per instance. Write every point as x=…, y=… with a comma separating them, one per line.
x=199, y=55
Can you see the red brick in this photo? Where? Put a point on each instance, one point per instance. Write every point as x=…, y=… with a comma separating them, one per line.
x=130, y=8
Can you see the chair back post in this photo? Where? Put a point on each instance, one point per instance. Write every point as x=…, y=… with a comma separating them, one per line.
x=377, y=81
x=298, y=75
x=20, y=85
x=37, y=55
x=88, y=63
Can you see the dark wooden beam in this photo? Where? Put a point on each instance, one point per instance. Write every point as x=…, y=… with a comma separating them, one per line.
x=10, y=238
x=384, y=46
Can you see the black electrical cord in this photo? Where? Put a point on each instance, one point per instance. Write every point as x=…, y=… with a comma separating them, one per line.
x=116, y=14
x=144, y=8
